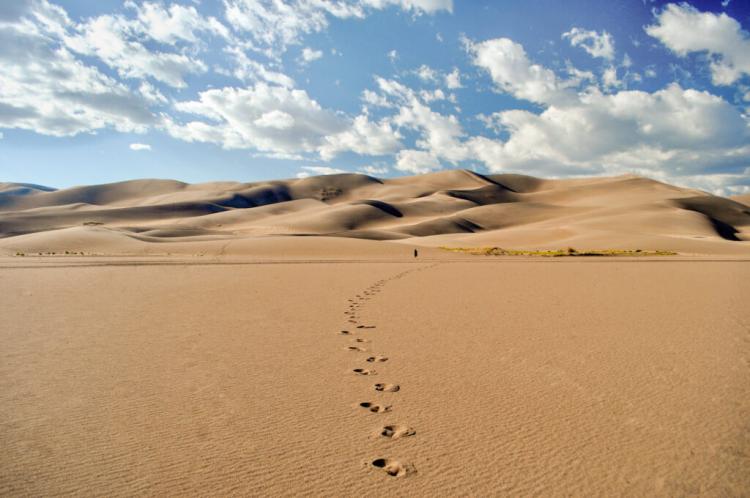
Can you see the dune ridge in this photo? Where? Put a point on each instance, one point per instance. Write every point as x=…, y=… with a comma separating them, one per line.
x=447, y=208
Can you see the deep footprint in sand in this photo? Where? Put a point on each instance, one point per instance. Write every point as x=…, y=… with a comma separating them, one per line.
x=356, y=348
x=361, y=340
x=345, y=332
x=393, y=468
x=397, y=431
x=363, y=371
x=374, y=407
x=365, y=326
x=380, y=359
x=387, y=388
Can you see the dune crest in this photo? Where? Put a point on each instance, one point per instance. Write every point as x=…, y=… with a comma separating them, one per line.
x=447, y=208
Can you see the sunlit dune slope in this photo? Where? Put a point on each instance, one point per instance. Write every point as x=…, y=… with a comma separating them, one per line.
x=451, y=208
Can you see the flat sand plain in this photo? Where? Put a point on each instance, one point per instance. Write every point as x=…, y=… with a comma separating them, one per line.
x=514, y=377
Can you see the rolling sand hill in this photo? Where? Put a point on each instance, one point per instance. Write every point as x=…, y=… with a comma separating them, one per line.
x=450, y=208
x=332, y=363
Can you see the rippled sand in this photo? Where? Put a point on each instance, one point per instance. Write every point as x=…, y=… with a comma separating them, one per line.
x=487, y=377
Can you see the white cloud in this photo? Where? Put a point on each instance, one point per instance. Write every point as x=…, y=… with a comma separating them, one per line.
x=426, y=73
x=584, y=123
x=416, y=161
x=610, y=79
x=393, y=55
x=453, y=79
x=247, y=69
x=44, y=88
x=439, y=134
x=374, y=169
x=319, y=170
x=273, y=25
x=675, y=131
x=373, y=99
x=138, y=147
x=675, y=134
x=577, y=76
x=280, y=156
x=276, y=119
x=684, y=29
x=118, y=42
x=151, y=93
x=364, y=137
x=238, y=118
x=309, y=55
x=514, y=73
x=176, y=23
x=596, y=44
x=280, y=121
x=417, y=6
x=430, y=96
x=394, y=89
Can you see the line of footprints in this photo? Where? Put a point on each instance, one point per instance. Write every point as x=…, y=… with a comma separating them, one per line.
x=360, y=344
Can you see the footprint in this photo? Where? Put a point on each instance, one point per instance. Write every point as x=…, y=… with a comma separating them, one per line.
x=361, y=340
x=356, y=348
x=393, y=468
x=373, y=359
x=397, y=431
x=364, y=371
x=387, y=388
x=374, y=407
x=345, y=332
x=365, y=326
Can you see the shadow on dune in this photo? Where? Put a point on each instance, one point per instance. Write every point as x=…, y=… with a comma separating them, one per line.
x=724, y=215
x=383, y=206
x=460, y=207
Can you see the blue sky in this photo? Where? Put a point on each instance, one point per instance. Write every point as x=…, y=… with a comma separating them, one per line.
x=98, y=91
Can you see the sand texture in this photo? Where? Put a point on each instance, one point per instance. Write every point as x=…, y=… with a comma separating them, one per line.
x=279, y=339
x=454, y=377
x=449, y=208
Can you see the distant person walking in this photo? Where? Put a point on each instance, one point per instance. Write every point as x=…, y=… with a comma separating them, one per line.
x=416, y=253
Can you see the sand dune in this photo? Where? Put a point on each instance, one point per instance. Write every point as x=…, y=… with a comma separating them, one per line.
x=451, y=208
x=279, y=339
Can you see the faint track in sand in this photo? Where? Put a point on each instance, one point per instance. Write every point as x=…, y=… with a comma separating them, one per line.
x=390, y=431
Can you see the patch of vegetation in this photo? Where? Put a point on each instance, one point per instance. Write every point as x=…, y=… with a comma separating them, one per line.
x=554, y=253
x=92, y=223
x=329, y=193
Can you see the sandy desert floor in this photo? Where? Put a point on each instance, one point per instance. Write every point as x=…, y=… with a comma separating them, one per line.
x=487, y=376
